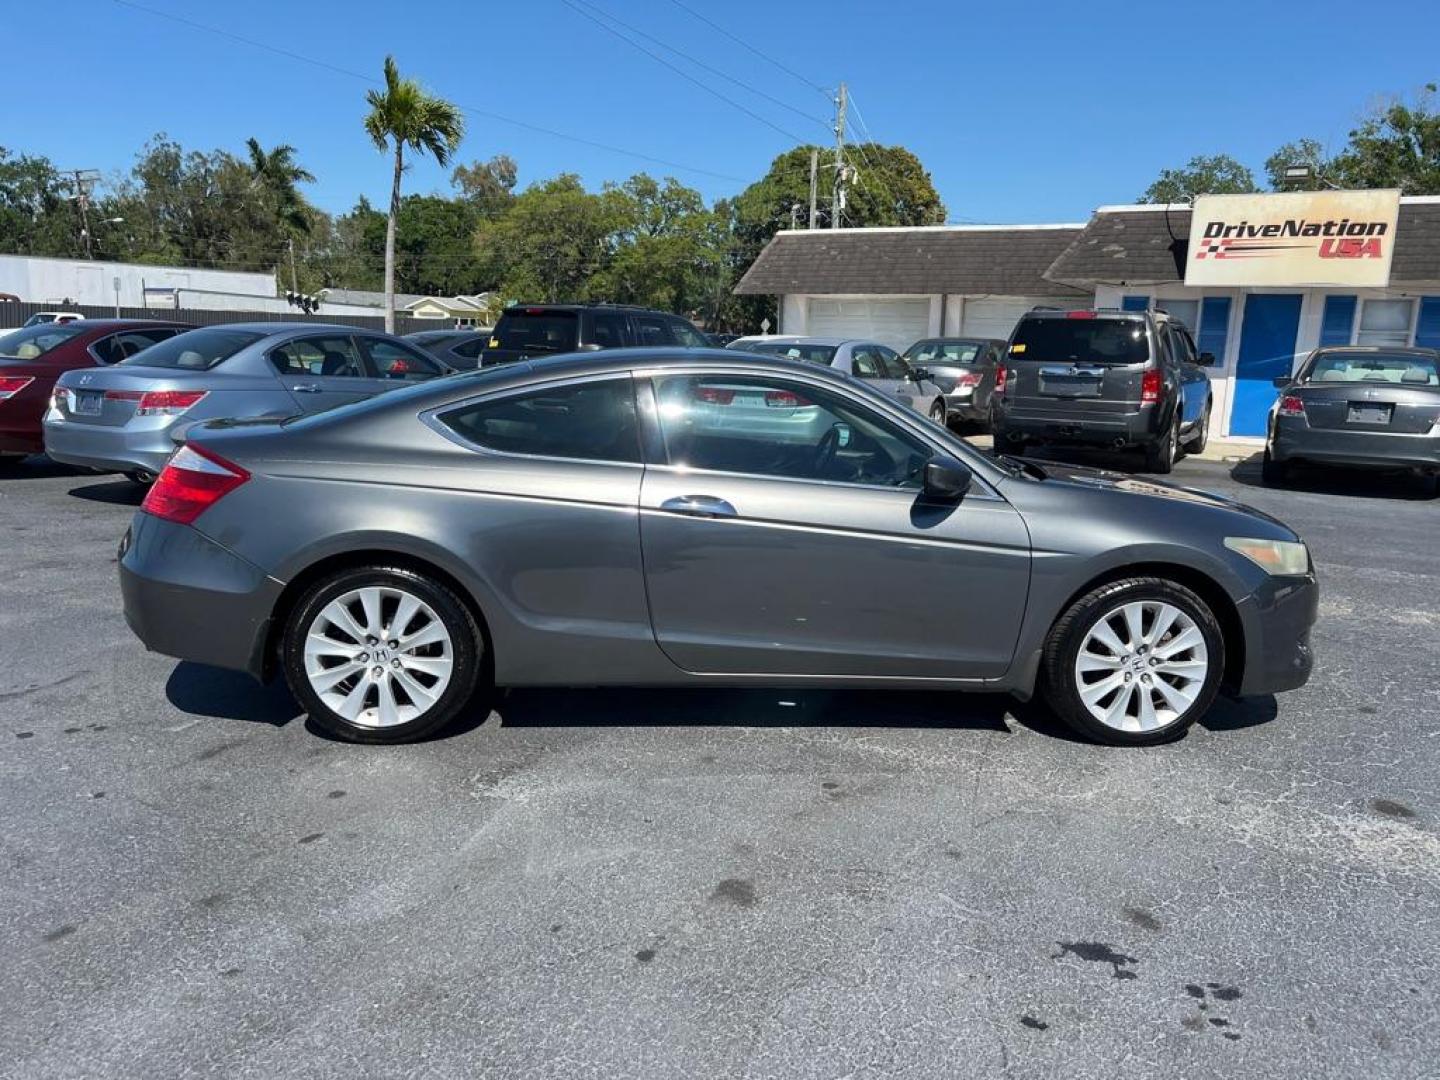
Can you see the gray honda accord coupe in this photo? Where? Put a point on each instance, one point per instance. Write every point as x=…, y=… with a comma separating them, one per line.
x=618, y=518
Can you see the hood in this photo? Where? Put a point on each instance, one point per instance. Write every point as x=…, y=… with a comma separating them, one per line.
x=1081, y=477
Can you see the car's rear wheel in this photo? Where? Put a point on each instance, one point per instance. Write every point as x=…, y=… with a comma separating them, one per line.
x=1202, y=433
x=1134, y=662
x=382, y=654
x=1161, y=454
x=937, y=412
x=1273, y=473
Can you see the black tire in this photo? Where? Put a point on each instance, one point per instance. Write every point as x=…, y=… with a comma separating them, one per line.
x=467, y=646
x=1202, y=433
x=1161, y=455
x=1273, y=473
x=939, y=413
x=1058, y=680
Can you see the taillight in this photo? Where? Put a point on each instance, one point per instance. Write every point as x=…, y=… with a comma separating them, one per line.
x=11, y=385
x=1150, y=387
x=968, y=379
x=166, y=402
x=714, y=395
x=1290, y=405
x=1002, y=377
x=194, y=480
x=62, y=398
x=1080, y=315
x=784, y=399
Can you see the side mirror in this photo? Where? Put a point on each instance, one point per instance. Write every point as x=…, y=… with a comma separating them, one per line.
x=922, y=374
x=1282, y=383
x=946, y=479
x=1206, y=359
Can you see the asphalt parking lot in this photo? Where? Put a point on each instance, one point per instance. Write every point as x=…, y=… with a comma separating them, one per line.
x=616, y=884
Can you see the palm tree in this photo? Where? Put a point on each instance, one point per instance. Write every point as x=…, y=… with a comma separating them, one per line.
x=407, y=116
x=275, y=173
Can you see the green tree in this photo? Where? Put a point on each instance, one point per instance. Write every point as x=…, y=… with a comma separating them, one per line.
x=275, y=174
x=554, y=238
x=664, y=251
x=1398, y=146
x=400, y=116
x=1300, y=152
x=1216, y=174
x=36, y=215
x=489, y=186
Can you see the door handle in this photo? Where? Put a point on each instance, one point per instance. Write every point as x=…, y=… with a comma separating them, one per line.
x=306, y=388
x=699, y=506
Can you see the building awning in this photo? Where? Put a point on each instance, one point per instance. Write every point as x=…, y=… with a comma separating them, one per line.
x=964, y=260
x=1147, y=245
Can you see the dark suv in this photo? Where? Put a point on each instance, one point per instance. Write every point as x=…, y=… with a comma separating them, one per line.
x=527, y=330
x=1104, y=377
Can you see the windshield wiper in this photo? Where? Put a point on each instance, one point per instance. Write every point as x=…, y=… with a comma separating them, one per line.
x=1029, y=468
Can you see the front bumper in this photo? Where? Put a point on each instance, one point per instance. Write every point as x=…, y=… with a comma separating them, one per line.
x=1061, y=425
x=1277, y=619
x=187, y=596
x=114, y=449
x=1332, y=446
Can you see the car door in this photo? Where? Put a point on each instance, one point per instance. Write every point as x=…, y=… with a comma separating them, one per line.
x=909, y=389
x=865, y=363
x=1194, y=382
x=784, y=533
x=652, y=330
x=390, y=364
x=321, y=371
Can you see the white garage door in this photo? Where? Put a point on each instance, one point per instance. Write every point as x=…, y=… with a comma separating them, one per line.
x=897, y=323
x=995, y=317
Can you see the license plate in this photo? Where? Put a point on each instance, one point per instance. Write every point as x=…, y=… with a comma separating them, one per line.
x=1369, y=414
x=1069, y=382
x=88, y=404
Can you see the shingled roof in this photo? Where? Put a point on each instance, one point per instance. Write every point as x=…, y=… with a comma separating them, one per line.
x=968, y=260
x=1129, y=245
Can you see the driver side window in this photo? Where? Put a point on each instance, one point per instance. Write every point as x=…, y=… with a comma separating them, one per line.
x=773, y=427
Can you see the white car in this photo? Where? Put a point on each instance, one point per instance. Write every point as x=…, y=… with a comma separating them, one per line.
x=42, y=317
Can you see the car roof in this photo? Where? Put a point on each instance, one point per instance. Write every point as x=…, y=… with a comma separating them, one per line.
x=1387, y=350
x=962, y=340
x=1097, y=312
x=812, y=339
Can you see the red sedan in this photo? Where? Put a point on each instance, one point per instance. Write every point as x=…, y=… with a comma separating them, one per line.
x=33, y=357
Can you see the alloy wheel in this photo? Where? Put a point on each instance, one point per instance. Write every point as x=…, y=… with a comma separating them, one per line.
x=1141, y=666
x=378, y=656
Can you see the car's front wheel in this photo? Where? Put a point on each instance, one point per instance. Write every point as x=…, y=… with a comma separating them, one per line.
x=382, y=654
x=1134, y=662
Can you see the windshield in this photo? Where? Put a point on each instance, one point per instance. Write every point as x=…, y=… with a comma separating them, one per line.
x=1396, y=368
x=1086, y=341
x=194, y=350
x=944, y=352
x=536, y=330
x=31, y=342
x=812, y=354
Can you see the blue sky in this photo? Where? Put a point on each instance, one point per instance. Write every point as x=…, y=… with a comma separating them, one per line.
x=1021, y=112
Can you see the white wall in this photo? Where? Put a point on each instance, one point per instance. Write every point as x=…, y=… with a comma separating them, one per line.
x=48, y=281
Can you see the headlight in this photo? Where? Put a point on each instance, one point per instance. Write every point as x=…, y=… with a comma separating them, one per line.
x=1285, y=557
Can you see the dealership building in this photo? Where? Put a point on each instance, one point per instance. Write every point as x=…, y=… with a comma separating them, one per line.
x=1261, y=280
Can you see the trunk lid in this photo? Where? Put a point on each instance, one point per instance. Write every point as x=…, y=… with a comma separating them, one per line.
x=1367, y=407
x=109, y=397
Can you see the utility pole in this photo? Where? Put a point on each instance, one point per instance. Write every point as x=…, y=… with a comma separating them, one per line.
x=814, y=168
x=837, y=200
x=84, y=181
x=294, y=281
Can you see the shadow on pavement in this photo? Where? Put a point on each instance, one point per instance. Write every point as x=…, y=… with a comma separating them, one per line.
x=1231, y=714
x=720, y=707
x=39, y=467
x=229, y=695
x=114, y=492
x=1338, y=480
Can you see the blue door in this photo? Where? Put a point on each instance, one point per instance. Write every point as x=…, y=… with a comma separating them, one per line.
x=1267, y=352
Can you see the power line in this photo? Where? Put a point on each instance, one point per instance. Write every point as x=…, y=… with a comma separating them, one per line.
x=864, y=155
x=575, y=7
x=485, y=113
x=703, y=65
x=745, y=44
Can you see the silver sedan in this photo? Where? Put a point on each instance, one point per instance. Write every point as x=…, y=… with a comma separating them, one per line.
x=128, y=417
x=878, y=365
